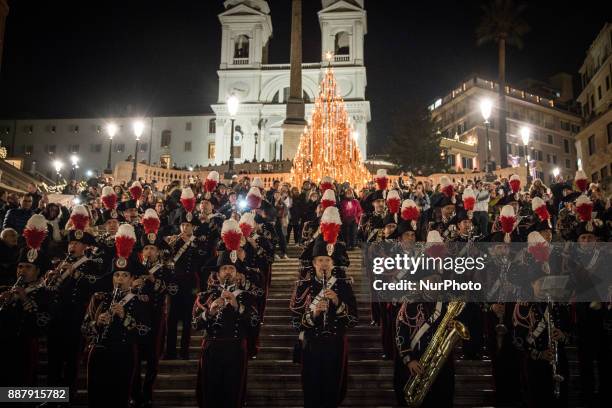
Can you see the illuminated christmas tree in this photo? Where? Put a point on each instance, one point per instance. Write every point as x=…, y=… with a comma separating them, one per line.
x=327, y=147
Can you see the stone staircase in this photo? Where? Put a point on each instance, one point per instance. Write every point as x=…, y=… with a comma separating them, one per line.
x=274, y=380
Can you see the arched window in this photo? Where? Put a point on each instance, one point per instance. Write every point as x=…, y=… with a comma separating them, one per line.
x=241, y=47
x=212, y=126
x=166, y=138
x=341, y=43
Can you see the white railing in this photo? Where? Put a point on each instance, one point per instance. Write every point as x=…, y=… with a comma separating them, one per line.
x=241, y=61
x=342, y=58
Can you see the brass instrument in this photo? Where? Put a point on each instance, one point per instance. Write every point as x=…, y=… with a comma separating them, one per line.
x=10, y=298
x=443, y=341
x=554, y=347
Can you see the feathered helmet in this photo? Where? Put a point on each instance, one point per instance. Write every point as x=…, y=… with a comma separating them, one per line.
x=447, y=187
x=150, y=223
x=410, y=212
x=584, y=208
x=435, y=247
x=212, y=181
x=381, y=179
x=327, y=183
x=34, y=233
x=330, y=227
x=109, y=199
x=254, y=198
x=188, y=202
x=125, y=239
x=538, y=247
x=469, y=200
x=80, y=220
x=581, y=181
x=507, y=218
x=328, y=199
x=247, y=224
x=515, y=183
x=394, y=201
x=231, y=234
x=539, y=208
x=135, y=190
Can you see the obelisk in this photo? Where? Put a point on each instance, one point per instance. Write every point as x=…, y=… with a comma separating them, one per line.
x=294, y=120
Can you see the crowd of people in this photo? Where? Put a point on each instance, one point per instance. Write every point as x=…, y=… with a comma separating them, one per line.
x=108, y=280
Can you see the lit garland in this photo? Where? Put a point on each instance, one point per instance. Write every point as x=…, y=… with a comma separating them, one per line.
x=326, y=147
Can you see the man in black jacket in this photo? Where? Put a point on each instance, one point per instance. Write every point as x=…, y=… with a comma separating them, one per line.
x=18, y=217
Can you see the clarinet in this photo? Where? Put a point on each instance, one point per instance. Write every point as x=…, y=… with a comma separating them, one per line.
x=557, y=378
x=10, y=298
x=103, y=337
x=324, y=288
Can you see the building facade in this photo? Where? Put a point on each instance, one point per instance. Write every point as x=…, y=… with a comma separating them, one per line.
x=202, y=140
x=458, y=118
x=181, y=140
x=594, y=142
x=263, y=88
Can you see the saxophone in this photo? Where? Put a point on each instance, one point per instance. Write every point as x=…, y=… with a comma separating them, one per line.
x=443, y=341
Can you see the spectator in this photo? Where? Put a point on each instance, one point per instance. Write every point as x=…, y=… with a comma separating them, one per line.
x=280, y=223
x=71, y=188
x=8, y=256
x=350, y=212
x=481, y=208
x=296, y=214
x=35, y=193
x=17, y=218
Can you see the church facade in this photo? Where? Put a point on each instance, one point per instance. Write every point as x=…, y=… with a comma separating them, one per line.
x=263, y=88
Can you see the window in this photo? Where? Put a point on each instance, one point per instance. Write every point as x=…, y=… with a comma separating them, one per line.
x=568, y=164
x=554, y=157
x=28, y=150
x=119, y=147
x=341, y=43
x=521, y=151
x=143, y=147
x=575, y=128
x=591, y=145
x=29, y=129
x=450, y=159
x=166, y=138
x=566, y=147
x=96, y=148
x=548, y=158
x=565, y=125
x=592, y=102
x=211, y=150
x=467, y=162
x=509, y=148
x=73, y=148
x=187, y=146
x=53, y=129
x=212, y=126
x=241, y=47
x=550, y=139
x=188, y=126
x=51, y=149
x=599, y=92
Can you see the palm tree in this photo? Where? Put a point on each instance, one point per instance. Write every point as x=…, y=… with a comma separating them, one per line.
x=503, y=24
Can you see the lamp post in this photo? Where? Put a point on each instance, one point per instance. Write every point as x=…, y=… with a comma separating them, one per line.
x=525, y=136
x=486, y=105
x=58, y=168
x=111, y=130
x=74, y=160
x=138, y=127
x=232, y=107
x=255, y=151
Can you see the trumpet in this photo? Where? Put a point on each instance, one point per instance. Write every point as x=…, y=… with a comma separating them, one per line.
x=11, y=297
x=554, y=346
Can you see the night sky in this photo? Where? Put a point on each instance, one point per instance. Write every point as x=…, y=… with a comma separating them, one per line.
x=119, y=57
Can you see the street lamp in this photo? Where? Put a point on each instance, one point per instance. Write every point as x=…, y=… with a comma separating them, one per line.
x=111, y=130
x=58, y=168
x=232, y=107
x=255, y=151
x=525, y=136
x=74, y=159
x=556, y=172
x=486, y=105
x=138, y=128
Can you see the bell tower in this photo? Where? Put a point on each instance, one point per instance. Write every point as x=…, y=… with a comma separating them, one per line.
x=343, y=27
x=246, y=28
